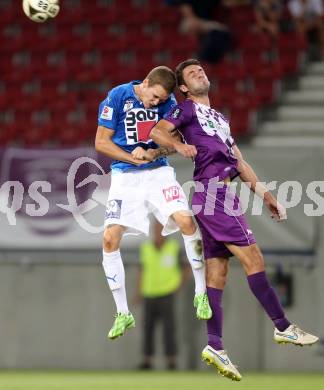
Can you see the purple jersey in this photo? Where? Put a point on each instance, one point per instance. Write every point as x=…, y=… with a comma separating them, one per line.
x=209, y=131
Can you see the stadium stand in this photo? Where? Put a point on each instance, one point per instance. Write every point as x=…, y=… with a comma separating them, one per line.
x=55, y=74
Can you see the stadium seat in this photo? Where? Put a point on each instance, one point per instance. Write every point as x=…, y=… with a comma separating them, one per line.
x=8, y=15
x=36, y=135
x=266, y=83
x=255, y=41
x=229, y=70
x=215, y=101
x=70, y=15
x=12, y=45
x=265, y=89
x=241, y=14
x=239, y=124
x=253, y=60
x=290, y=62
x=291, y=41
x=68, y=134
x=8, y=134
x=291, y=49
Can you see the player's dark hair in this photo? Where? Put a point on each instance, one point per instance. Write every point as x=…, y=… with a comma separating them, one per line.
x=163, y=76
x=180, y=68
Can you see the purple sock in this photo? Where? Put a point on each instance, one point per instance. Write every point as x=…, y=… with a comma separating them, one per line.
x=215, y=324
x=266, y=295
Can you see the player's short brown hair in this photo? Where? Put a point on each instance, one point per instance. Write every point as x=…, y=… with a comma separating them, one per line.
x=180, y=68
x=163, y=76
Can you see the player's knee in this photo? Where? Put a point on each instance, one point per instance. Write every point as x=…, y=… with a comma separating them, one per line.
x=223, y=269
x=216, y=275
x=110, y=241
x=216, y=281
x=256, y=261
x=186, y=224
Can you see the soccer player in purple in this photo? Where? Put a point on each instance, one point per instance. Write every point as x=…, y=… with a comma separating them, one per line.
x=225, y=232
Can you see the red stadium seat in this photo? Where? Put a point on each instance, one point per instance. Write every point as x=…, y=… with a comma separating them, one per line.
x=255, y=41
x=239, y=99
x=226, y=70
x=290, y=62
x=68, y=134
x=291, y=49
x=254, y=60
x=271, y=70
x=12, y=45
x=241, y=14
x=240, y=124
x=266, y=90
x=35, y=135
x=28, y=102
x=18, y=75
x=291, y=41
x=8, y=134
x=241, y=121
x=8, y=14
x=216, y=101
x=70, y=15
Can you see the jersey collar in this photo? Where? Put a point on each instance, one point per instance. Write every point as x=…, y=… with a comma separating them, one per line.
x=133, y=83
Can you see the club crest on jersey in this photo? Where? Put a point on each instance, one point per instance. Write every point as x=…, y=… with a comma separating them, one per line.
x=113, y=209
x=138, y=124
x=128, y=105
x=172, y=193
x=176, y=113
x=212, y=122
x=107, y=113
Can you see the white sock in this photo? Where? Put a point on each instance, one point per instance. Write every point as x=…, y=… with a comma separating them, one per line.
x=196, y=261
x=115, y=273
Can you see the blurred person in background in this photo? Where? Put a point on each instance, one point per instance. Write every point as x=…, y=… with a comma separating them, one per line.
x=225, y=232
x=197, y=18
x=160, y=277
x=268, y=14
x=142, y=182
x=308, y=19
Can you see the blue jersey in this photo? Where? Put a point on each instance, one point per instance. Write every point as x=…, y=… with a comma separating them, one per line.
x=124, y=113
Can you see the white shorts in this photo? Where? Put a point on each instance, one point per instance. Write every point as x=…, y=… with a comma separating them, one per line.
x=134, y=195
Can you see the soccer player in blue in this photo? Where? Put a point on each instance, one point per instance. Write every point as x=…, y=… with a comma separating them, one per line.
x=142, y=183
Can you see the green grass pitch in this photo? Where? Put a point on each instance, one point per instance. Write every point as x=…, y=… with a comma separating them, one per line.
x=73, y=380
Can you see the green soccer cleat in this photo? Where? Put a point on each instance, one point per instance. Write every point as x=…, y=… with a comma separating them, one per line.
x=122, y=322
x=204, y=312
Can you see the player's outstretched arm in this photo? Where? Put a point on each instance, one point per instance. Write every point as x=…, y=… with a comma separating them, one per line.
x=162, y=135
x=248, y=176
x=105, y=145
x=151, y=154
x=163, y=151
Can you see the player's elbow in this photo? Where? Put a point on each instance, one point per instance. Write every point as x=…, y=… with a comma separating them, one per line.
x=241, y=166
x=99, y=145
x=154, y=134
x=158, y=136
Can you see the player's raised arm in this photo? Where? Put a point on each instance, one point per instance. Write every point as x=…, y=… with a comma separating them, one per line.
x=162, y=135
x=248, y=175
x=106, y=146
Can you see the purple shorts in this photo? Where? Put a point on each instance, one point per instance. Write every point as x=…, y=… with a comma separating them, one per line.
x=221, y=220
